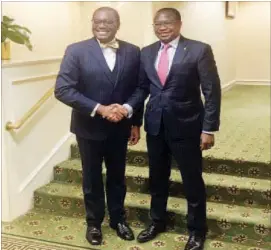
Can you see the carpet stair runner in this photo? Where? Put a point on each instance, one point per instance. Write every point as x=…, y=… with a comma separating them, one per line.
x=238, y=192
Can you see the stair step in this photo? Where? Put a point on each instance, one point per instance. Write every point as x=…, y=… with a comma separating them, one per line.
x=237, y=167
x=242, y=145
x=220, y=188
x=222, y=219
x=55, y=228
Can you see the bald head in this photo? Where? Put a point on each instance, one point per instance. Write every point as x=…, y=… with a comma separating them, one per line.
x=105, y=24
x=107, y=10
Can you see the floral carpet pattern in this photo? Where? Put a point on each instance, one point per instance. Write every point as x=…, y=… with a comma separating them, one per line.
x=10, y=242
x=50, y=228
x=237, y=174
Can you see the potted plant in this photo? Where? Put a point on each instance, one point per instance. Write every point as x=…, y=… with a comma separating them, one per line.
x=15, y=33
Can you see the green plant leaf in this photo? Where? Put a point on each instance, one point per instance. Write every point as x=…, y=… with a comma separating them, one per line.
x=29, y=45
x=3, y=37
x=4, y=25
x=4, y=31
x=7, y=19
x=18, y=27
x=16, y=33
x=16, y=37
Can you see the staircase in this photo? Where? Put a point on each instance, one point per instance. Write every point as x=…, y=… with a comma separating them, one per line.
x=238, y=193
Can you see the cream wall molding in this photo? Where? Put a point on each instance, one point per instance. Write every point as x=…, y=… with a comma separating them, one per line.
x=12, y=64
x=228, y=85
x=253, y=82
x=34, y=79
x=45, y=161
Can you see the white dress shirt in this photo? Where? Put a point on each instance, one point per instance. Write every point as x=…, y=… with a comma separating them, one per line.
x=110, y=58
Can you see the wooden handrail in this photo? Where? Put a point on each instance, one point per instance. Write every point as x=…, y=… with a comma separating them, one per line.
x=10, y=125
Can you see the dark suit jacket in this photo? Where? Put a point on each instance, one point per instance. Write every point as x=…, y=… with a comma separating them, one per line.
x=178, y=103
x=85, y=79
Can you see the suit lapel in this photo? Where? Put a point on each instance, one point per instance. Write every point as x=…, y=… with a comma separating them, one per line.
x=153, y=55
x=96, y=51
x=179, y=56
x=121, y=56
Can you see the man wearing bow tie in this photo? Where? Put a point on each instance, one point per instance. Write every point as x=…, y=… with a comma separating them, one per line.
x=177, y=123
x=96, y=78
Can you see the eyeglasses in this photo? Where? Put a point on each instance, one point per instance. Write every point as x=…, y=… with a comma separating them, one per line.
x=105, y=22
x=166, y=24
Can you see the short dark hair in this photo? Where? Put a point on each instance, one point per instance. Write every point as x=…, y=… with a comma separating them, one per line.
x=173, y=11
x=110, y=9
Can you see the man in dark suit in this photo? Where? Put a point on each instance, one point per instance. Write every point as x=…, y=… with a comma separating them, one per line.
x=177, y=123
x=96, y=78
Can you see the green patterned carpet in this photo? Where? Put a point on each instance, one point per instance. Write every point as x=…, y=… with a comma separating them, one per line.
x=10, y=242
x=237, y=174
x=245, y=126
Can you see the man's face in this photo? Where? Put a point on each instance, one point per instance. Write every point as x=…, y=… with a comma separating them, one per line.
x=105, y=25
x=166, y=27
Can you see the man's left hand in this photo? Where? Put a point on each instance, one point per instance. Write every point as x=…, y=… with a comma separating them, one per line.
x=135, y=135
x=207, y=141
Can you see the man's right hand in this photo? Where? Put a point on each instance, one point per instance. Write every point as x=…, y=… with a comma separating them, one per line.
x=113, y=112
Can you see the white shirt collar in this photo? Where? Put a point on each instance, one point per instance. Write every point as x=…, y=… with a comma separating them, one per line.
x=174, y=43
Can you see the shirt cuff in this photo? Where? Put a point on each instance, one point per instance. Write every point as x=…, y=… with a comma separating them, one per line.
x=93, y=113
x=129, y=109
x=208, y=132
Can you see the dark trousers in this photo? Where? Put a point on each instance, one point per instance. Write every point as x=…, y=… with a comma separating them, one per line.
x=113, y=152
x=188, y=155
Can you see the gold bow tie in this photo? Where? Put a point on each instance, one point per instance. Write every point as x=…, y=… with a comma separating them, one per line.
x=112, y=44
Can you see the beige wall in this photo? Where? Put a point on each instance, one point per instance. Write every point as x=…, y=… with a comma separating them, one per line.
x=241, y=46
x=53, y=26
x=159, y=5
x=205, y=21
x=253, y=41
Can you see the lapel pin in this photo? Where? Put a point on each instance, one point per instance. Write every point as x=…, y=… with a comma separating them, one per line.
x=184, y=48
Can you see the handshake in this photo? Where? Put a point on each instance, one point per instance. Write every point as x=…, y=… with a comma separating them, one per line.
x=113, y=113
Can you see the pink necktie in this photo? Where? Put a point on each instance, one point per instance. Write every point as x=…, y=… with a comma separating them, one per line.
x=163, y=65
